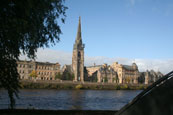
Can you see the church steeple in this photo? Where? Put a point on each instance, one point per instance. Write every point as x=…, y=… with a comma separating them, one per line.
x=78, y=37
x=78, y=56
x=78, y=42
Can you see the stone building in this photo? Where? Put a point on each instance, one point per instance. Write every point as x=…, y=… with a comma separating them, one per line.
x=126, y=73
x=115, y=73
x=67, y=68
x=67, y=73
x=92, y=69
x=102, y=73
x=78, y=56
x=149, y=77
x=43, y=70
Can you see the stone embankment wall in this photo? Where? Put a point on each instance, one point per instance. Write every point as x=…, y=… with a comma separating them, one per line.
x=40, y=84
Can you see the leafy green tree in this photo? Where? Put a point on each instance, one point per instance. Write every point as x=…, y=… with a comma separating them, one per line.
x=72, y=76
x=95, y=79
x=25, y=26
x=66, y=75
x=106, y=79
x=33, y=74
x=58, y=76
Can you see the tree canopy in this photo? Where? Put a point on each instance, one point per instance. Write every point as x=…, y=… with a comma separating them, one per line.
x=25, y=26
x=33, y=74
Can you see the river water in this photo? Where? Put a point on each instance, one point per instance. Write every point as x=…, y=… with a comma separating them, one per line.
x=70, y=99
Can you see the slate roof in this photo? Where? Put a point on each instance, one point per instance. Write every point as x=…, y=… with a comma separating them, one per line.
x=127, y=67
x=94, y=66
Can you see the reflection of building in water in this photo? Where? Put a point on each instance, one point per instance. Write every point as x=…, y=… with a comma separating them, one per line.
x=77, y=100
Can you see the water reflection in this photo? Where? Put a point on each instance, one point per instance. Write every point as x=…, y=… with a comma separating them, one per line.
x=76, y=101
x=70, y=99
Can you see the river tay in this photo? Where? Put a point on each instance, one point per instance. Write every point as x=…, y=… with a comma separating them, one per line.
x=70, y=99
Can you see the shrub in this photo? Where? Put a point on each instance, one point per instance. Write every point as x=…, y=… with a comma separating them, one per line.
x=78, y=86
x=117, y=87
x=125, y=86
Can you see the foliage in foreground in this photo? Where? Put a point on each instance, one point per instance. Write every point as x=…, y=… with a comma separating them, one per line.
x=25, y=26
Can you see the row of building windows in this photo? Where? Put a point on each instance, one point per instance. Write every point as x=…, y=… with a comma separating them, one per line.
x=24, y=66
x=21, y=71
x=42, y=78
x=38, y=67
x=39, y=73
x=44, y=67
x=127, y=73
x=44, y=73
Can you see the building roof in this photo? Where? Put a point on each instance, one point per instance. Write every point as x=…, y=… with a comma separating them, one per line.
x=67, y=68
x=43, y=63
x=94, y=66
x=128, y=67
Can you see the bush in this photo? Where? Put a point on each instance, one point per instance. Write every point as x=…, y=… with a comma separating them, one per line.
x=79, y=86
x=125, y=86
x=117, y=87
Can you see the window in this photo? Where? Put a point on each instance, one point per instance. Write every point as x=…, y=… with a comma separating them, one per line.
x=79, y=55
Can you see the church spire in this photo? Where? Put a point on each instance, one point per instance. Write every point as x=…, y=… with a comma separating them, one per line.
x=78, y=37
x=78, y=56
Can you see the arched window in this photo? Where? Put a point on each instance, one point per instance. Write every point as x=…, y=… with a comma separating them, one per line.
x=79, y=54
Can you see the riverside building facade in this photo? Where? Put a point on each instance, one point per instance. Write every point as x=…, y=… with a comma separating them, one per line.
x=42, y=70
x=115, y=73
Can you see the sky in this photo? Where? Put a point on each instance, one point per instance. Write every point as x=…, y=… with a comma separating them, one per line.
x=126, y=31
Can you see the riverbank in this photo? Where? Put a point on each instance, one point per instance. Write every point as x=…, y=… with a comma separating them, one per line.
x=29, y=84
x=56, y=112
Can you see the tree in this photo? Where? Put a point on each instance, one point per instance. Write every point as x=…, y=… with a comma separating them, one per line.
x=72, y=76
x=33, y=74
x=105, y=79
x=95, y=79
x=25, y=26
x=66, y=75
x=58, y=76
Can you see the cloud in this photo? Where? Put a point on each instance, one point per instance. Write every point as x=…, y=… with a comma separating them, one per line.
x=49, y=55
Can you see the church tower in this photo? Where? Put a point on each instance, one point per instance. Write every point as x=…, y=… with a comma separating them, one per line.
x=78, y=56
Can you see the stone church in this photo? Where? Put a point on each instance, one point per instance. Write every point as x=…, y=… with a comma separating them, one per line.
x=78, y=56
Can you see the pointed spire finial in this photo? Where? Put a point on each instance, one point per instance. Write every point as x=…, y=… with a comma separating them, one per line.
x=78, y=37
x=79, y=18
